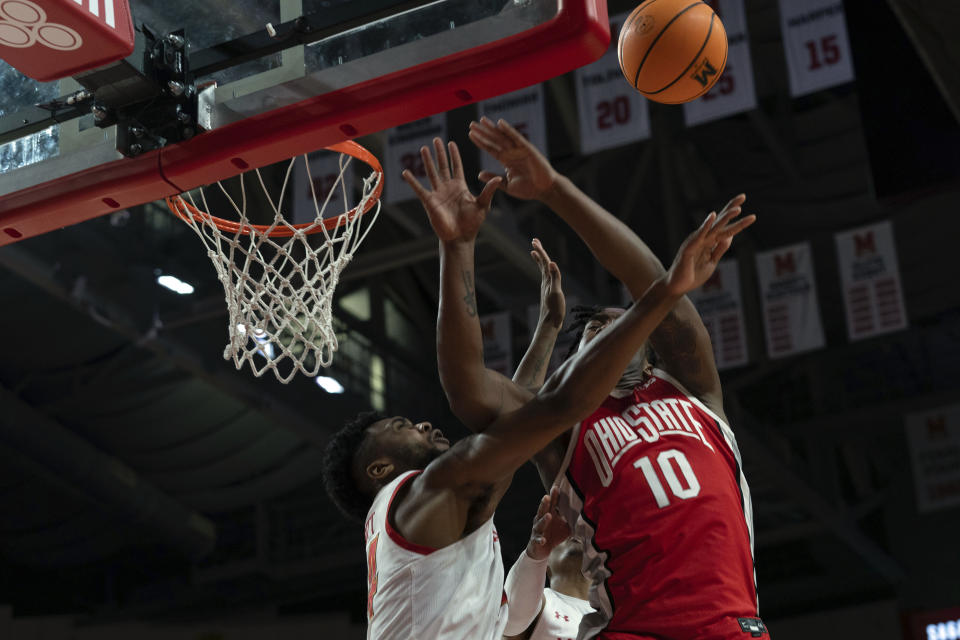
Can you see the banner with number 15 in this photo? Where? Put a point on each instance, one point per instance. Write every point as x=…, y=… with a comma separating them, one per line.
x=816, y=43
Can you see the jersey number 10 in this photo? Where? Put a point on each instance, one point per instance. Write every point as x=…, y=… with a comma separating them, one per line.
x=665, y=461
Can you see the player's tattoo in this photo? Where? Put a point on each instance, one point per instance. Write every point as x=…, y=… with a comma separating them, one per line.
x=471, y=296
x=538, y=365
x=676, y=341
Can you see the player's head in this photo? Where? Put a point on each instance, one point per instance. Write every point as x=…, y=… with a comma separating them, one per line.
x=589, y=320
x=370, y=451
x=566, y=559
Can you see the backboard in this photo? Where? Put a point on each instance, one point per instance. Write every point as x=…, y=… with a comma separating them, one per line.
x=377, y=64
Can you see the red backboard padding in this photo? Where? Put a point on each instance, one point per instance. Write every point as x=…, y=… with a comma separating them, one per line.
x=578, y=35
x=51, y=39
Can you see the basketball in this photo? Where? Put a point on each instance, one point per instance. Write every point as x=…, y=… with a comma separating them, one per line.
x=672, y=51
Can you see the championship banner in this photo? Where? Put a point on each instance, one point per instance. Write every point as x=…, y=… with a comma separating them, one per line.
x=497, y=342
x=324, y=173
x=788, y=292
x=734, y=91
x=611, y=112
x=816, y=44
x=524, y=110
x=402, y=151
x=934, y=439
x=720, y=304
x=872, y=293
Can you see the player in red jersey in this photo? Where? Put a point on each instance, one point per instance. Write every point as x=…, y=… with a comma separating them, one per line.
x=652, y=479
x=429, y=505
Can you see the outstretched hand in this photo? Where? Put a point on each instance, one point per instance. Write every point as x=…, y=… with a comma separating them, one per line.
x=553, y=306
x=549, y=529
x=528, y=173
x=699, y=254
x=455, y=213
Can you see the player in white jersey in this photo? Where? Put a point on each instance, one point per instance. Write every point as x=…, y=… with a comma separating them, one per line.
x=554, y=612
x=424, y=496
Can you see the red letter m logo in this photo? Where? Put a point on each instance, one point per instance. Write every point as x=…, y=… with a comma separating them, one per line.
x=784, y=263
x=864, y=244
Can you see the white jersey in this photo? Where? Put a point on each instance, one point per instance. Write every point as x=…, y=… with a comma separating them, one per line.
x=416, y=592
x=560, y=617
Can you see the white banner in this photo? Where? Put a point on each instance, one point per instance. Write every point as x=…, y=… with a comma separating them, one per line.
x=498, y=342
x=816, y=44
x=611, y=112
x=934, y=438
x=720, y=305
x=788, y=292
x=872, y=294
x=524, y=110
x=324, y=172
x=734, y=91
x=402, y=151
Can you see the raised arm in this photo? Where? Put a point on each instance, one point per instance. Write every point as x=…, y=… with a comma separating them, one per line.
x=532, y=370
x=527, y=577
x=681, y=342
x=477, y=395
x=583, y=382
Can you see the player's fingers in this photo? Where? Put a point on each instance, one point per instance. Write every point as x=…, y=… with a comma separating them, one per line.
x=486, y=196
x=727, y=215
x=456, y=164
x=443, y=167
x=720, y=249
x=706, y=226
x=555, y=272
x=429, y=167
x=490, y=130
x=414, y=184
x=736, y=201
x=487, y=176
x=484, y=141
x=515, y=136
x=736, y=227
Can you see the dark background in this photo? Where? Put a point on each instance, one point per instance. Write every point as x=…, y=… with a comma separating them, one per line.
x=103, y=369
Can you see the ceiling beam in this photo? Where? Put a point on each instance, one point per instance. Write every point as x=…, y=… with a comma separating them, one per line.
x=841, y=523
x=77, y=466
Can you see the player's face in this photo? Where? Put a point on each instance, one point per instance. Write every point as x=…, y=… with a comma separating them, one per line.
x=598, y=323
x=410, y=445
x=567, y=557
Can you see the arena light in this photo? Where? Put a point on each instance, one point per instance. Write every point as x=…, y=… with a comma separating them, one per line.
x=174, y=284
x=329, y=384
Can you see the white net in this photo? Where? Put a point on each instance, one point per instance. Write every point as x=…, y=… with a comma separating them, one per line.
x=279, y=278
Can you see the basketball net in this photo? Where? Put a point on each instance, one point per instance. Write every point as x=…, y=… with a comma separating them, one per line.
x=279, y=279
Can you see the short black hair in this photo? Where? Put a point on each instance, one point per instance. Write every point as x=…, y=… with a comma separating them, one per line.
x=581, y=314
x=338, y=459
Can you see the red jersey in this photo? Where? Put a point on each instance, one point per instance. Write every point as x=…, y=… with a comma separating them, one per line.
x=653, y=481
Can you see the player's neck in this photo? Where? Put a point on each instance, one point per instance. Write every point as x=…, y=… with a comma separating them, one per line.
x=575, y=586
x=633, y=375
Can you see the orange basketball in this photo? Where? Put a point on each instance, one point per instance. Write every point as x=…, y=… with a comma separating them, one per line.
x=672, y=51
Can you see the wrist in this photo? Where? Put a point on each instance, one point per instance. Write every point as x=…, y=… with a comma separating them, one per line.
x=458, y=244
x=536, y=554
x=554, y=191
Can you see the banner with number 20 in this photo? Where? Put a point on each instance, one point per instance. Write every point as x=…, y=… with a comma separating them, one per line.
x=611, y=112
